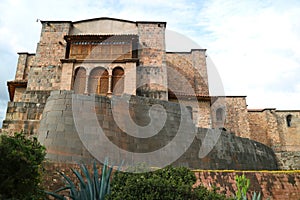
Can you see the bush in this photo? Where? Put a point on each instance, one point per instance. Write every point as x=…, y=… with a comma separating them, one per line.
x=20, y=161
x=168, y=183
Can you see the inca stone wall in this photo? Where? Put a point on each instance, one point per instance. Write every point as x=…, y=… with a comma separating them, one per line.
x=25, y=114
x=22, y=116
x=58, y=133
x=272, y=185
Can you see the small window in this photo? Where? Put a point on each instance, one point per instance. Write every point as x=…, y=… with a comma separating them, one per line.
x=190, y=109
x=220, y=114
x=289, y=120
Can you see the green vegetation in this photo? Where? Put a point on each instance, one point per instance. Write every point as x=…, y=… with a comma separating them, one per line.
x=167, y=183
x=91, y=186
x=243, y=185
x=20, y=171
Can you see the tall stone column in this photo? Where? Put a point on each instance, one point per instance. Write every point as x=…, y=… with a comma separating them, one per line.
x=109, y=92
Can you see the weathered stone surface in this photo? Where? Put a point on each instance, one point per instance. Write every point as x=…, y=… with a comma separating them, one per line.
x=59, y=134
x=273, y=185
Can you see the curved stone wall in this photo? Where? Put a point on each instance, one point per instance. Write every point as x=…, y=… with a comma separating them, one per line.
x=60, y=135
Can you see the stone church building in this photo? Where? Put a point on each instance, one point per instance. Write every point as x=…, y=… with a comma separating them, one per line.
x=110, y=57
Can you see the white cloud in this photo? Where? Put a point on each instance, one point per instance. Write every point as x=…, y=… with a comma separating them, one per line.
x=254, y=44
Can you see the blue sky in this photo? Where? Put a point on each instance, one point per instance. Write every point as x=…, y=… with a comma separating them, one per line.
x=255, y=45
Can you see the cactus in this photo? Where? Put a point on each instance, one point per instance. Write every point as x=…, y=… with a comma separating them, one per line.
x=243, y=185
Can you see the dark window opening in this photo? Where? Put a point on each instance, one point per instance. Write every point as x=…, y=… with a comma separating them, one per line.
x=289, y=120
x=117, y=81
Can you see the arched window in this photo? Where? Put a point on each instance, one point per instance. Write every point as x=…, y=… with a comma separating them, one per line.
x=117, y=80
x=79, y=80
x=220, y=114
x=98, y=81
x=289, y=120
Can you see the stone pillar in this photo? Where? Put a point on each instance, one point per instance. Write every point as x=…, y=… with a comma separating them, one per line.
x=67, y=75
x=109, y=83
x=130, y=78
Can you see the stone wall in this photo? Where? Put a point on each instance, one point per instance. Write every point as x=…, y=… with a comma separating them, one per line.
x=59, y=133
x=269, y=126
x=26, y=113
x=44, y=78
x=236, y=120
x=234, y=115
x=273, y=185
x=288, y=160
x=45, y=73
x=22, y=116
x=192, y=67
x=52, y=46
x=151, y=74
x=289, y=135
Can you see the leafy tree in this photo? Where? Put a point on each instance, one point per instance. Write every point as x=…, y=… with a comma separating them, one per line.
x=20, y=161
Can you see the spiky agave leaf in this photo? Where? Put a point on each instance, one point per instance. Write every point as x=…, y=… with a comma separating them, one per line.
x=89, y=182
x=90, y=187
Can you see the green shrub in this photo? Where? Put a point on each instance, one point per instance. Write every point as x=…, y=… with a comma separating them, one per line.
x=167, y=183
x=20, y=161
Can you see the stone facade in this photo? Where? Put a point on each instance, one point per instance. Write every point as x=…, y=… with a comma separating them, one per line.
x=106, y=56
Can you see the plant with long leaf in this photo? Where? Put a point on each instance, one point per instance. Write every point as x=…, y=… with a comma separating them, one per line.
x=90, y=187
x=256, y=196
x=243, y=185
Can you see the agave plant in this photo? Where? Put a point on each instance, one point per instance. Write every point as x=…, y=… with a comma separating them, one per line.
x=91, y=187
x=256, y=196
